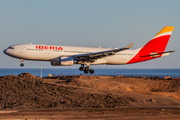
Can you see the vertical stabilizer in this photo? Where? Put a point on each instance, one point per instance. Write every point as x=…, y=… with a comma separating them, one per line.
x=154, y=46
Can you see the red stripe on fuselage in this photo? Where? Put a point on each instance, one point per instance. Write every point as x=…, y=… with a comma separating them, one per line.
x=157, y=45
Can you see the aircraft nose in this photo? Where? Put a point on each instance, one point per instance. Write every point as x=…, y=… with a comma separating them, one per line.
x=5, y=51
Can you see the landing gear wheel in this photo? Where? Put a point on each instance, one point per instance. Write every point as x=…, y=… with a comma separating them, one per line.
x=86, y=71
x=81, y=68
x=87, y=68
x=22, y=65
x=91, y=71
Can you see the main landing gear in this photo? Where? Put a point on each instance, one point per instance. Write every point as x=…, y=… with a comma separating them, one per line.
x=86, y=69
x=22, y=64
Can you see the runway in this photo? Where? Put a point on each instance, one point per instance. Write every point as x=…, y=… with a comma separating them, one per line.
x=93, y=113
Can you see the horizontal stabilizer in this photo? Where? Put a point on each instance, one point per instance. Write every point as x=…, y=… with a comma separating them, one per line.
x=154, y=54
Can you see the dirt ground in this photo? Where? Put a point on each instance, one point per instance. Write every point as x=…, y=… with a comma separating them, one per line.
x=26, y=97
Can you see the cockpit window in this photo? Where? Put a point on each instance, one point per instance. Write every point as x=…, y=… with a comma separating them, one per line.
x=10, y=47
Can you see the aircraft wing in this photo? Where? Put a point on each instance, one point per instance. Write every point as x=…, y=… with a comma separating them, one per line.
x=97, y=55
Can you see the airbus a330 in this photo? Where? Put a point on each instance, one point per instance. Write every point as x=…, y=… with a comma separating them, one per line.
x=86, y=56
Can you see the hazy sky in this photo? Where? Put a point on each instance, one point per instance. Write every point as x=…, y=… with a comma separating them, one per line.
x=92, y=23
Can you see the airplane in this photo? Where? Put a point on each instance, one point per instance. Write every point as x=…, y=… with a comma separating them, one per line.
x=86, y=56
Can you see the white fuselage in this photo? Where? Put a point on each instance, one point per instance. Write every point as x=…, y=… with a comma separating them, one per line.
x=50, y=52
x=86, y=56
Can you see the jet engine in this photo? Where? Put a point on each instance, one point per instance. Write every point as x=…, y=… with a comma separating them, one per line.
x=62, y=61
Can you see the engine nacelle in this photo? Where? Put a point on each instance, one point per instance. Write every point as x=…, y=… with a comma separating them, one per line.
x=62, y=61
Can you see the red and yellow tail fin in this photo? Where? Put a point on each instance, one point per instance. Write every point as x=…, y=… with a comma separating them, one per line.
x=167, y=30
x=154, y=46
x=160, y=40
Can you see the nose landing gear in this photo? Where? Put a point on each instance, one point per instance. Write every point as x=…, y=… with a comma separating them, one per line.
x=86, y=69
x=22, y=64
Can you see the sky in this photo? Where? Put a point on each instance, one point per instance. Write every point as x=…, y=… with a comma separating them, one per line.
x=88, y=23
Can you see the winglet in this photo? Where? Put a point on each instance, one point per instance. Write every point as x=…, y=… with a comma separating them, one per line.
x=129, y=46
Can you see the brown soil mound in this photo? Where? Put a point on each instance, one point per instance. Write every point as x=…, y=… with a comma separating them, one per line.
x=27, y=91
x=153, y=86
x=94, y=97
